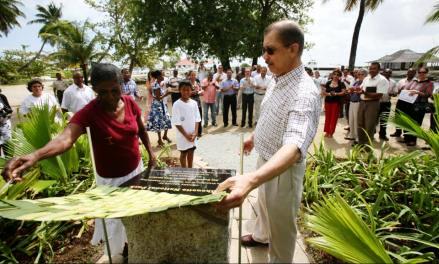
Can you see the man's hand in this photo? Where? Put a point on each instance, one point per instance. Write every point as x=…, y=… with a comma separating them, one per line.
x=240, y=186
x=248, y=145
x=15, y=166
x=193, y=136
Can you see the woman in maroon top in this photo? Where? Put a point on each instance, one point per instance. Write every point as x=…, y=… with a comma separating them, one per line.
x=116, y=126
x=334, y=92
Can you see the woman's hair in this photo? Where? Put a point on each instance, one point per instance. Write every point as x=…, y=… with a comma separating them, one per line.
x=363, y=71
x=32, y=82
x=102, y=72
x=338, y=71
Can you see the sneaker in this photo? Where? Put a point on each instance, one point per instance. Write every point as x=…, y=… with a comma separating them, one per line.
x=384, y=138
x=214, y=124
x=234, y=124
x=205, y=125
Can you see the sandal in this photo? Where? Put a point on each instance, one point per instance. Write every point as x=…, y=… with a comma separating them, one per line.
x=167, y=139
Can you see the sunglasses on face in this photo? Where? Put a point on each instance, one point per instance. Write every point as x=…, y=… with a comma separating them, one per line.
x=268, y=50
x=422, y=72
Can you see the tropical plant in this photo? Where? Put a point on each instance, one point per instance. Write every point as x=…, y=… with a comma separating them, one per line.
x=77, y=49
x=50, y=18
x=363, y=7
x=66, y=174
x=396, y=196
x=9, y=12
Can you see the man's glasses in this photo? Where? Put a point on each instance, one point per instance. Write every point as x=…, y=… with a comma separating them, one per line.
x=269, y=50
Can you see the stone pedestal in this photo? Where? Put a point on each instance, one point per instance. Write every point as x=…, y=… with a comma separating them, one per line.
x=195, y=234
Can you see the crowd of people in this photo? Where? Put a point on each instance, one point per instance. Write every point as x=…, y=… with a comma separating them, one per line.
x=364, y=98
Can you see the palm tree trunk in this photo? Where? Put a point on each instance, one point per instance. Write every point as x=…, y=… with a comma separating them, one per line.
x=357, y=28
x=84, y=72
x=34, y=58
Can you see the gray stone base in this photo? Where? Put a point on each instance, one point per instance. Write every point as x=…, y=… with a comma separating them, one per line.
x=195, y=234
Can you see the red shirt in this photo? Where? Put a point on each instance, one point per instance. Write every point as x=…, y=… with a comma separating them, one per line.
x=115, y=145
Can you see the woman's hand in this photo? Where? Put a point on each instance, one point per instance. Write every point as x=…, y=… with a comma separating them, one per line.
x=15, y=166
x=413, y=92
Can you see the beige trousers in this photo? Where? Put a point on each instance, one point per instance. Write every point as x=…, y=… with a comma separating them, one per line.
x=277, y=208
x=353, y=120
x=258, y=102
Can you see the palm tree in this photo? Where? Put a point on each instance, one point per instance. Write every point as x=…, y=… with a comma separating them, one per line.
x=9, y=13
x=364, y=5
x=50, y=18
x=77, y=49
x=432, y=18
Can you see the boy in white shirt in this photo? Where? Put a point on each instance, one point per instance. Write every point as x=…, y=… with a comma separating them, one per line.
x=186, y=118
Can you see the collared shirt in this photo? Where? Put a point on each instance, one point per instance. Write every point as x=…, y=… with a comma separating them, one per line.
x=392, y=90
x=379, y=82
x=289, y=114
x=248, y=86
x=130, y=88
x=219, y=77
x=404, y=84
x=348, y=80
x=75, y=98
x=226, y=83
x=60, y=85
x=173, y=84
x=264, y=83
x=209, y=94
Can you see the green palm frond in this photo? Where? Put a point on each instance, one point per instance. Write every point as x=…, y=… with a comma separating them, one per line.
x=343, y=234
x=434, y=16
x=9, y=12
x=101, y=202
x=405, y=122
x=428, y=56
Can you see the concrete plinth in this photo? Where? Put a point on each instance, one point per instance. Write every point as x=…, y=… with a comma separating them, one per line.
x=195, y=234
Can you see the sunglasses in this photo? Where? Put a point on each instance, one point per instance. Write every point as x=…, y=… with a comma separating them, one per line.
x=422, y=72
x=268, y=50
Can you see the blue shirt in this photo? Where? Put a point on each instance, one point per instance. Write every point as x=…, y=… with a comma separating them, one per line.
x=227, y=83
x=248, y=87
x=130, y=88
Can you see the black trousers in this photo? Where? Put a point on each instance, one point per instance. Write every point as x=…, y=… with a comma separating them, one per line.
x=404, y=107
x=417, y=116
x=59, y=95
x=383, y=117
x=229, y=101
x=433, y=123
x=248, y=100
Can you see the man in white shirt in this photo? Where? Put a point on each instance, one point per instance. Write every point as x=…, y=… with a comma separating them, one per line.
x=374, y=86
x=262, y=81
x=219, y=77
x=77, y=95
x=385, y=104
x=256, y=71
x=202, y=72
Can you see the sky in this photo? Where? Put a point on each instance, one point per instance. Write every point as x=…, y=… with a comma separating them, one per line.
x=395, y=25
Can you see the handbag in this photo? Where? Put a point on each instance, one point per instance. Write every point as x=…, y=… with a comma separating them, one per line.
x=425, y=107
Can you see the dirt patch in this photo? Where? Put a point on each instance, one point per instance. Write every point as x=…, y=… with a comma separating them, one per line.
x=78, y=249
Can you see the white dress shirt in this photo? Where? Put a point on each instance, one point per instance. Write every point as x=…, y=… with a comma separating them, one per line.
x=32, y=101
x=75, y=98
x=379, y=81
x=264, y=83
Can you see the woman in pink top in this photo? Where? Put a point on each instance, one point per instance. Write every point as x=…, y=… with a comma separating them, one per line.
x=209, y=98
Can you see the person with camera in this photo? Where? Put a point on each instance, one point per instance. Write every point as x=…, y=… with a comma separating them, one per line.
x=5, y=122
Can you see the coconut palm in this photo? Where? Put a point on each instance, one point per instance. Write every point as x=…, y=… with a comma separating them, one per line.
x=77, y=49
x=364, y=5
x=9, y=13
x=432, y=18
x=50, y=18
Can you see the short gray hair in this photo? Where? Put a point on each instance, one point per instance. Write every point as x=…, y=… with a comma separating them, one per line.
x=102, y=72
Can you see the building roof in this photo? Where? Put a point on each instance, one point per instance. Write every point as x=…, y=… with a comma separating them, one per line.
x=405, y=55
x=185, y=61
